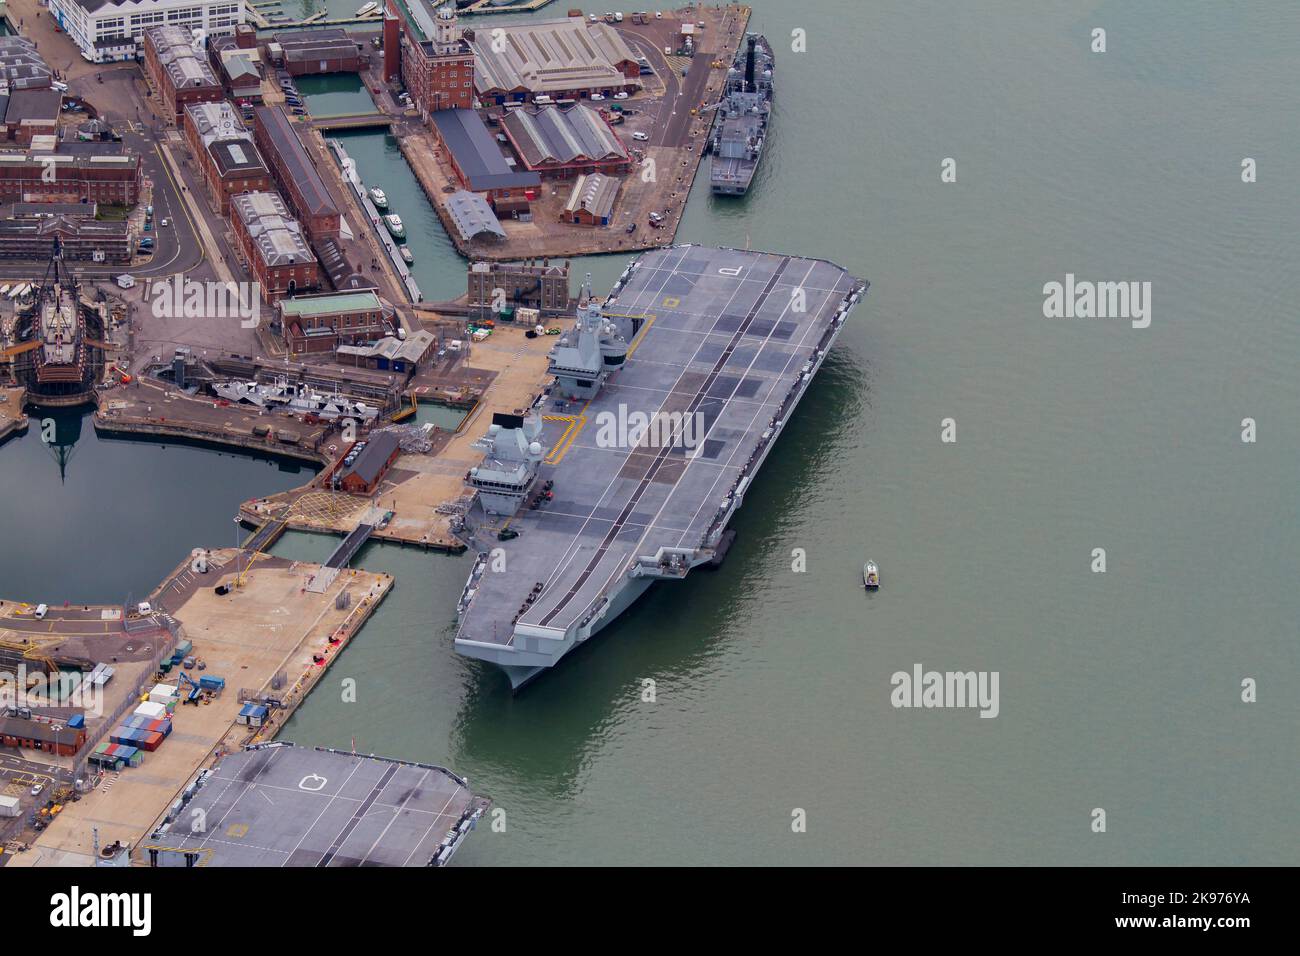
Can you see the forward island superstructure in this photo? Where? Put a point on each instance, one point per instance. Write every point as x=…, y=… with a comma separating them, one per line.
x=668, y=397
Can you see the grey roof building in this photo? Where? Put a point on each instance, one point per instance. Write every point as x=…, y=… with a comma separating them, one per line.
x=294, y=166
x=176, y=53
x=236, y=156
x=475, y=153
x=593, y=194
x=551, y=136
x=371, y=463
x=551, y=56
x=473, y=216
x=33, y=106
x=277, y=235
x=21, y=66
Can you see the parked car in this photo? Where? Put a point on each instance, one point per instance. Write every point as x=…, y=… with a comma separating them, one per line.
x=165, y=223
x=597, y=97
x=621, y=95
x=640, y=137
x=38, y=789
x=631, y=227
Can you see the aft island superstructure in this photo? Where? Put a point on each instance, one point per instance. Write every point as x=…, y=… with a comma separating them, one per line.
x=668, y=397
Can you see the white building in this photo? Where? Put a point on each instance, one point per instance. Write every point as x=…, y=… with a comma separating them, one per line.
x=107, y=30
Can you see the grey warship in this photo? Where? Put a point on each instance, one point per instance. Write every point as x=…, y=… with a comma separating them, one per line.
x=667, y=398
x=740, y=126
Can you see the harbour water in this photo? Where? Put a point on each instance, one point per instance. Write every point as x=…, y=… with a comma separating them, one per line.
x=1118, y=690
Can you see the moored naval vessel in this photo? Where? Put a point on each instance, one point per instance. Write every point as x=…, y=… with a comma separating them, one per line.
x=740, y=126
x=667, y=398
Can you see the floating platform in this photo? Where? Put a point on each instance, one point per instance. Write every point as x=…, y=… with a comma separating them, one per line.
x=733, y=337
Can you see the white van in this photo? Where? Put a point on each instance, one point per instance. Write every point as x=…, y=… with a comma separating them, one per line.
x=41, y=611
x=543, y=100
x=125, y=281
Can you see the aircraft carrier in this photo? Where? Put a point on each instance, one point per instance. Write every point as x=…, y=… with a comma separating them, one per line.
x=668, y=397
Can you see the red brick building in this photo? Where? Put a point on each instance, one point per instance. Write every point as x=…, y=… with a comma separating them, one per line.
x=321, y=323
x=479, y=163
x=71, y=174
x=273, y=245
x=180, y=74
x=31, y=113
x=295, y=173
x=436, y=63
x=369, y=465
x=50, y=737
x=231, y=164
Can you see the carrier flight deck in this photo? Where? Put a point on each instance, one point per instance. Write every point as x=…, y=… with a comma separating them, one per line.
x=668, y=397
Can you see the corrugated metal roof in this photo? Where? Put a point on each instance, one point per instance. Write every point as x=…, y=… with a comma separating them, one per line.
x=549, y=55
x=594, y=193
x=552, y=136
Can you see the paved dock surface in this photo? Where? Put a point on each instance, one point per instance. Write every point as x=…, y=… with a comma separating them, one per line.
x=271, y=625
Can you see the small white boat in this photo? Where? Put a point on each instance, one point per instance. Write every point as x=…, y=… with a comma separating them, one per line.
x=870, y=576
x=379, y=198
x=368, y=9
x=394, y=223
x=407, y=256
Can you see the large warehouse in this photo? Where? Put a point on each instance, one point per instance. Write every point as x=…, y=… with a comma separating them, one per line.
x=557, y=58
x=563, y=143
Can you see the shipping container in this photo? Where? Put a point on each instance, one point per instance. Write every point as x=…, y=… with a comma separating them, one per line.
x=184, y=647
x=211, y=682
x=152, y=710
x=152, y=741
x=77, y=721
x=9, y=807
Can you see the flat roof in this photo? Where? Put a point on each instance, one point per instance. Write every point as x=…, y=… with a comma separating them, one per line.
x=236, y=155
x=283, y=805
x=33, y=105
x=328, y=304
x=476, y=152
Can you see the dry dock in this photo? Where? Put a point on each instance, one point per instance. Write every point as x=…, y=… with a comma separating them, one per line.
x=150, y=409
x=269, y=635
